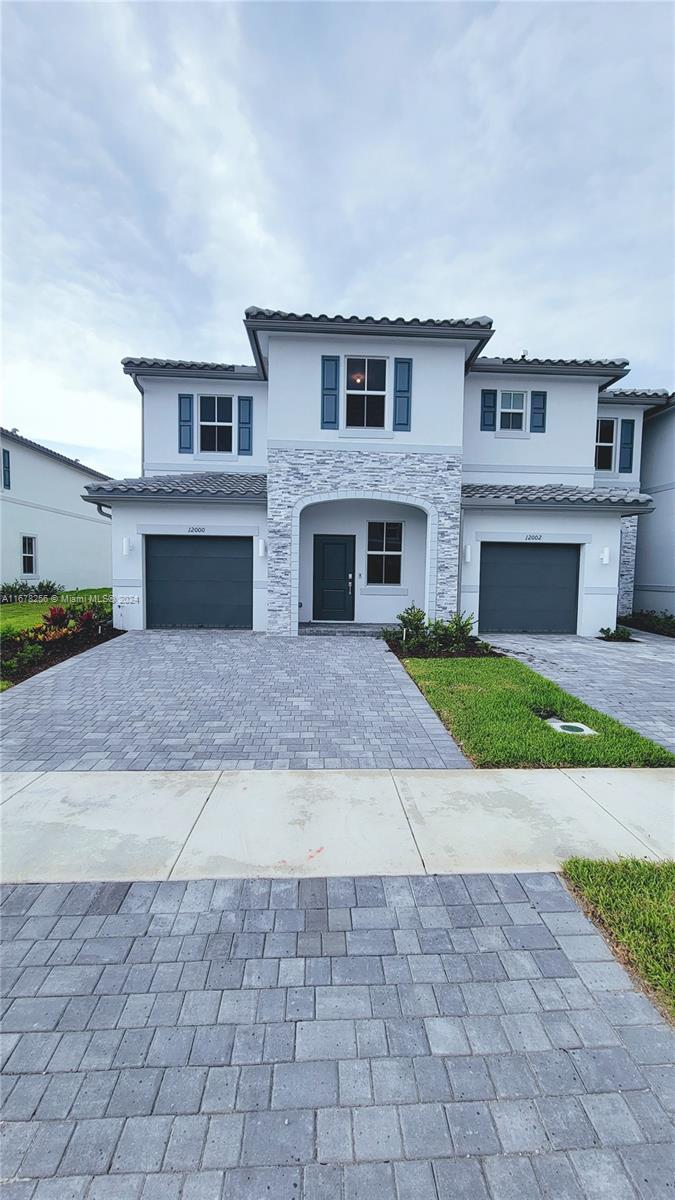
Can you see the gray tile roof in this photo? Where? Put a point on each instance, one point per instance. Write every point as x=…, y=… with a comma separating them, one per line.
x=651, y=395
x=275, y=314
x=11, y=435
x=200, y=485
x=488, y=363
x=184, y=366
x=554, y=494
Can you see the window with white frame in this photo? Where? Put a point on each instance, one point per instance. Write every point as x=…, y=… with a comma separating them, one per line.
x=215, y=424
x=512, y=410
x=365, y=389
x=605, y=437
x=385, y=551
x=28, y=555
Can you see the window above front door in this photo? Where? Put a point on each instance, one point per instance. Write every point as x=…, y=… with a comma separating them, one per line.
x=366, y=388
x=512, y=411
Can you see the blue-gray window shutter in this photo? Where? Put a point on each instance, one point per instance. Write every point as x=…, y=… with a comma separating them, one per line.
x=488, y=410
x=537, y=412
x=330, y=391
x=185, y=424
x=6, y=470
x=626, y=441
x=245, y=436
x=402, y=393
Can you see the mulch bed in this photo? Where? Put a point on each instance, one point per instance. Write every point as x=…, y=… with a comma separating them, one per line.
x=473, y=650
x=59, y=651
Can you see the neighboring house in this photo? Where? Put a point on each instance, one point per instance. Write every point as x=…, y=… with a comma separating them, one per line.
x=655, y=564
x=47, y=532
x=362, y=465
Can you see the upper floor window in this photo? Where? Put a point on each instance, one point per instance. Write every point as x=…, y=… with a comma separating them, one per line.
x=512, y=410
x=215, y=424
x=6, y=470
x=385, y=549
x=605, y=437
x=365, y=390
x=28, y=555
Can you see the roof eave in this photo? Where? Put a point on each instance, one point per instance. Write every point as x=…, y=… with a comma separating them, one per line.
x=166, y=497
x=621, y=508
x=610, y=375
x=468, y=333
x=181, y=372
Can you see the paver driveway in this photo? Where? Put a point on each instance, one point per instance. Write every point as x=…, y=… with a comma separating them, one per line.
x=194, y=700
x=633, y=681
x=405, y=1038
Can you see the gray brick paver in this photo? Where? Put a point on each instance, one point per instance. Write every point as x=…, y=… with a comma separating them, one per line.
x=280, y=703
x=358, y=1039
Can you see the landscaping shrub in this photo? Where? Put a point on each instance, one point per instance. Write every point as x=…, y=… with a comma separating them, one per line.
x=56, y=618
x=652, y=622
x=21, y=589
x=434, y=639
x=615, y=635
x=65, y=630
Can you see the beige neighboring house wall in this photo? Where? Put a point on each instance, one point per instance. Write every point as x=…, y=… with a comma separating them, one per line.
x=41, y=499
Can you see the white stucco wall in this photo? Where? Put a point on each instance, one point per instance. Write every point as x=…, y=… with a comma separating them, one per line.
x=564, y=454
x=655, y=563
x=160, y=425
x=371, y=604
x=45, y=501
x=593, y=532
x=295, y=391
x=132, y=520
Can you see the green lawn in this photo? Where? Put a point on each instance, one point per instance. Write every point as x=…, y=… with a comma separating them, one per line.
x=489, y=705
x=634, y=901
x=14, y=617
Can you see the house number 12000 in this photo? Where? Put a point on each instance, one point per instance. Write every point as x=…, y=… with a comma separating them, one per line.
x=197, y=529
x=533, y=537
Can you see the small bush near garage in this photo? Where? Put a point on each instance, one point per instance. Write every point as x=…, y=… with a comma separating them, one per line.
x=435, y=639
x=652, y=622
x=496, y=709
x=615, y=635
x=26, y=610
x=63, y=632
x=632, y=901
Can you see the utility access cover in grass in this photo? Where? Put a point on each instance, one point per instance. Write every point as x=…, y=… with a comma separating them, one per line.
x=493, y=707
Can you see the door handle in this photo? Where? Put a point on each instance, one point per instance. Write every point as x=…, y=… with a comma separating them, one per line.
x=349, y=584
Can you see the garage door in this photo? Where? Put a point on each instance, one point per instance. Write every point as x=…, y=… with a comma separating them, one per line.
x=528, y=589
x=199, y=582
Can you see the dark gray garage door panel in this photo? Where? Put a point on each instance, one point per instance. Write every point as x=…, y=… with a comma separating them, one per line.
x=199, y=582
x=528, y=589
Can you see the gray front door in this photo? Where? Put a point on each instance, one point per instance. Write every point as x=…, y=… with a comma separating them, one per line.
x=199, y=582
x=333, y=577
x=528, y=588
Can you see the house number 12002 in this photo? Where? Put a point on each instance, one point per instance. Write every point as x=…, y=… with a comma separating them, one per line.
x=533, y=537
x=197, y=529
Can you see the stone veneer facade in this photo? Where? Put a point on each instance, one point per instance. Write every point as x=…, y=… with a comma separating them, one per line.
x=629, y=526
x=299, y=477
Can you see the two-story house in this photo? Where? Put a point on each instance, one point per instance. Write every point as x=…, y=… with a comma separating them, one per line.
x=46, y=531
x=362, y=465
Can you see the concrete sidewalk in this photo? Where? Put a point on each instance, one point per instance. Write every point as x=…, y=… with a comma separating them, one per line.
x=74, y=826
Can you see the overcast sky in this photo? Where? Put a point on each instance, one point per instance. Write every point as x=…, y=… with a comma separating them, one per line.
x=168, y=164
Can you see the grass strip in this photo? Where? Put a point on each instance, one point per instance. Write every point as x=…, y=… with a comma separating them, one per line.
x=491, y=707
x=634, y=902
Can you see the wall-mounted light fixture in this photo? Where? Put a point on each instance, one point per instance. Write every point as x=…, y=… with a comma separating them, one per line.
x=127, y=546
x=261, y=547
x=604, y=557
x=467, y=552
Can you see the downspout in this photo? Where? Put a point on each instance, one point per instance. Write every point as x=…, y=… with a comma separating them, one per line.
x=140, y=388
x=100, y=511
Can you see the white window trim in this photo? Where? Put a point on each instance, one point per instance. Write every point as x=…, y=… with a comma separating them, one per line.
x=215, y=455
x=379, y=587
x=34, y=574
x=367, y=430
x=513, y=433
x=604, y=471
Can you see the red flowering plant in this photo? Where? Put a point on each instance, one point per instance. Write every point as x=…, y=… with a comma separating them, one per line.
x=56, y=618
